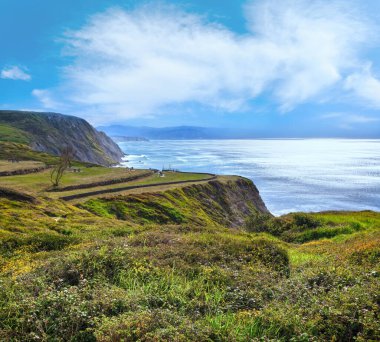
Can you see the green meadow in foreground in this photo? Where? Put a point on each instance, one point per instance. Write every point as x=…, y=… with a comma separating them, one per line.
x=168, y=267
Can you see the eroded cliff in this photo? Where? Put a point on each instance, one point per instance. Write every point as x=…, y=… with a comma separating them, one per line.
x=50, y=132
x=225, y=202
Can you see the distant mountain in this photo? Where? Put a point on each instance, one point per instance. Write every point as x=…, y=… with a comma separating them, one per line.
x=121, y=138
x=50, y=132
x=175, y=133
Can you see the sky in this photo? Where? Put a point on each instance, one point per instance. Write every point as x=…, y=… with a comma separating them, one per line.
x=294, y=68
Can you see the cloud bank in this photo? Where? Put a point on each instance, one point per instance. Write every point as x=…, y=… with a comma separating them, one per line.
x=139, y=63
x=15, y=73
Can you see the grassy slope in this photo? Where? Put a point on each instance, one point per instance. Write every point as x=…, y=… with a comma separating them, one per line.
x=14, y=150
x=125, y=273
x=21, y=165
x=12, y=134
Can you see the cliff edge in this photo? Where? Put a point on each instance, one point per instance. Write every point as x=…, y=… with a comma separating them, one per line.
x=50, y=132
x=227, y=201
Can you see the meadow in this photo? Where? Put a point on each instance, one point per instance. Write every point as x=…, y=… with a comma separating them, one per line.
x=87, y=178
x=167, y=267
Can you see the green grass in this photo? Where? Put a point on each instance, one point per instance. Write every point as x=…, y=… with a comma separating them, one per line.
x=165, y=267
x=200, y=204
x=301, y=228
x=12, y=134
x=298, y=258
x=40, y=182
x=150, y=180
x=13, y=150
x=173, y=177
x=21, y=165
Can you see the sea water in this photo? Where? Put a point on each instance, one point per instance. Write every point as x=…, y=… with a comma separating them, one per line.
x=291, y=175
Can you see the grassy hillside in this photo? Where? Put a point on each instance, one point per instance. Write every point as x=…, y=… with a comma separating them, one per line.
x=50, y=132
x=20, y=151
x=5, y=166
x=12, y=134
x=166, y=266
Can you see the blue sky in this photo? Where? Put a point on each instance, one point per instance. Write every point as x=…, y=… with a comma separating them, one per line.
x=279, y=68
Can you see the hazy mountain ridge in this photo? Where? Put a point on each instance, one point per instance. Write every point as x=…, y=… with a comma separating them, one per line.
x=175, y=132
x=247, y=132
x=49, y=132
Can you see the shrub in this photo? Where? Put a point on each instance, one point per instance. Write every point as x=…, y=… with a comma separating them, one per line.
x=258, y=222
x=63, y=315
x=265, y=223
x=304, y=221
x=152, y=325
x=35, y=242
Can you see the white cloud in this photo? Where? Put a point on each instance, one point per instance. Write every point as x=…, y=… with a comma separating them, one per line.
x=313, y=44
x=46, y=99
x=365, y=85
x=15, y=73
x=349, y=120
x=356, y=118
x=130, y=64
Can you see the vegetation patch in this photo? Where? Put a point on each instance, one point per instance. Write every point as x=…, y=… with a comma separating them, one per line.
x=203, y=204
x=168, y=266
x=16, y=195
x=20, y=151
x=12, y=134
x=130, y=178
x=136, y=209
x=36, y=242
x=301, y=228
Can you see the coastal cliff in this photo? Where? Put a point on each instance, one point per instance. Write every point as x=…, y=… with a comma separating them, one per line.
x=222, y=202
x=50, y=132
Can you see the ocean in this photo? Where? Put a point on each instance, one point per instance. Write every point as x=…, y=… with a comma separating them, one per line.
x=291, y=174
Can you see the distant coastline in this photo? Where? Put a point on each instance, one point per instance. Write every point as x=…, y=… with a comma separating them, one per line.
x=219, y=133
x=120, y=138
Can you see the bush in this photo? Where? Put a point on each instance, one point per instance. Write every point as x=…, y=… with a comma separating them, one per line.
x=257, y=222
x=304, y=221
x=151, y=325
x=35, y=242
x=265, y=223
x=63, y=315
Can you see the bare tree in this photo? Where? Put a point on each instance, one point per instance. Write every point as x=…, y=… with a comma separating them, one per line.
x=63, y=164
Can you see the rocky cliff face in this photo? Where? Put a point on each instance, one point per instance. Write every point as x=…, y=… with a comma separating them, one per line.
x=225, y=203
x=228, y=202
x=50, y=132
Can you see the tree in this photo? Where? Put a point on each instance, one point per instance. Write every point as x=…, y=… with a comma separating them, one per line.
x=63, y=164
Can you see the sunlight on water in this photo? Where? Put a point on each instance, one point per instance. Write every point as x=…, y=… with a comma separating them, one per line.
x=292, y=175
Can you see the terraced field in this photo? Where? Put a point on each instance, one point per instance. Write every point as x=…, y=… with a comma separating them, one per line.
x=144, y=184
x=7, y=167
x=94, y=179
x=22, y=165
